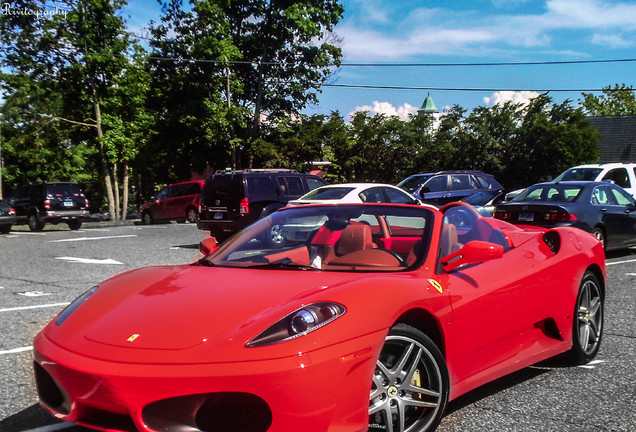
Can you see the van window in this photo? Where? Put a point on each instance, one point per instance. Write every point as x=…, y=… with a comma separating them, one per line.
x=618, y=176
x=260, y=186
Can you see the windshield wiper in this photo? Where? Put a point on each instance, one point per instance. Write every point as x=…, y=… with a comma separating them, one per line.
x=285, y=264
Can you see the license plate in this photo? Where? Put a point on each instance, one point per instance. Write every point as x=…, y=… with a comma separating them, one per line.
x=218, y=216
x=68, y=203
x=526, y=217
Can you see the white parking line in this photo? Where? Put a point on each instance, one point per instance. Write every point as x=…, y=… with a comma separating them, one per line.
x=16, y=350
x=620, y=262
x=34, y=307
x=92, y=238
x=52, y=428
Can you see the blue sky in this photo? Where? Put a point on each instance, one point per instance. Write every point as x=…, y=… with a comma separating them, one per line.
x=435, y=32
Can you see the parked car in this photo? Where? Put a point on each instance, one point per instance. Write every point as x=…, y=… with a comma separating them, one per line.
x=175, y=202
x=356, y=193
x=231, y=200
x=50, y=202
x=445, y=186
x=369, y=323
x=486, y=201
x=603, y=209
x=7, y=217
x=621, y=174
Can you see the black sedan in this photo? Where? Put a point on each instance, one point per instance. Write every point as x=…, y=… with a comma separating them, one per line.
x=603, y=209
x=7, y=217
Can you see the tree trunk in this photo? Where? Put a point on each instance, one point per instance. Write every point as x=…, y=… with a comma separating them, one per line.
x=102, y=154
x=124, y=207
x=116, y=189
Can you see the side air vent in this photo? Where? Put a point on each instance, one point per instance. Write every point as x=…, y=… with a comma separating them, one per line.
x=553, y=241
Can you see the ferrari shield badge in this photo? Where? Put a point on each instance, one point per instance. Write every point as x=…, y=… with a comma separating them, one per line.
x=435, y=284
x=132, y=337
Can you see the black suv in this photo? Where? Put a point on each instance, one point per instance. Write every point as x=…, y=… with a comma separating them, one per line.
x=446, y=186
x=231, y=200
x=48, y=202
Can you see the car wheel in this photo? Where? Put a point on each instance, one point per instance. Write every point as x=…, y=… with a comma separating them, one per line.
x=146, y=218
x=6, y=229
x=410, y=384
x=34, y=222
x=600, y=235
x=587, y=326
x=74, y=224
x=192, y=215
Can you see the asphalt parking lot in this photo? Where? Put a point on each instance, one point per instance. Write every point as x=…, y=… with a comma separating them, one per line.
x=41, y=272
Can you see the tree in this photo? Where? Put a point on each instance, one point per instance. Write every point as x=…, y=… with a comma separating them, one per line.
x=615, y=101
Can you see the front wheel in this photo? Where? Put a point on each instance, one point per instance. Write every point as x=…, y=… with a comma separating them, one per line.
x=410, y=385
x=146, y=218
x=600, y=235
x=587, y=326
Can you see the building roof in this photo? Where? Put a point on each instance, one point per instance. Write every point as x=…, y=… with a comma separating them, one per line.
x=618, y=138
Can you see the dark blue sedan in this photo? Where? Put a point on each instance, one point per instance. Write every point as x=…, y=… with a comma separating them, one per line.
x=603, y=209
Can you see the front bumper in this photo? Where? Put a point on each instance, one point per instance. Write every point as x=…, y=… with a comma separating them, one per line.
x=327, y=388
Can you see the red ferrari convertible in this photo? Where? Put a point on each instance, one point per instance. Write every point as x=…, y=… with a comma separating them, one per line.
x=324, y=318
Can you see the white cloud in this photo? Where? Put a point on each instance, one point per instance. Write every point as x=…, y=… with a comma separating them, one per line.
x=517, y=97
x=386, y=108
x=612, y=41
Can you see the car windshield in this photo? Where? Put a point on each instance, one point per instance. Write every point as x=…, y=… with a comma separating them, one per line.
x=411, y=183
x=550, y=193
x=579, y=174
x=327, y=193
x=331, y=238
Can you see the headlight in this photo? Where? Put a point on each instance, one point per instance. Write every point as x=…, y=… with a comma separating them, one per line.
x=63, y=316
x=299, y=323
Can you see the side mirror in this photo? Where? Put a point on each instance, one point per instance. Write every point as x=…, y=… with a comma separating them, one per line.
x=208, y=245
x=472, y=253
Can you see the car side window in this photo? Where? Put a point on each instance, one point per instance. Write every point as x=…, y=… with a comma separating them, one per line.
x=618, y=176
x=483, y=182
x=163, y=193
x=601, y=196
x=373, y=195
x=437, y=184
x=315, y=182
x=294, y=185
x=622, y=197
x=462, y=182
x=261, y=186
x=395, y=196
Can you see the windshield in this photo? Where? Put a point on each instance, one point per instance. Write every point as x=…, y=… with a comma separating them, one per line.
x=550, y=193
x=327, y=193
x=579, y=174
x=410, y=184
x=331, y=238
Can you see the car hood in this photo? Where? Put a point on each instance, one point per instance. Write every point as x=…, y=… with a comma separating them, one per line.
x=179, y=307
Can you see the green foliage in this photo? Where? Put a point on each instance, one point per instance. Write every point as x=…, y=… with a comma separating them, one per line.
x=615, y=101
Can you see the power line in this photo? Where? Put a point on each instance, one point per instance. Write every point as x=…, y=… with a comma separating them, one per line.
x=535, y=63
x=468, y=89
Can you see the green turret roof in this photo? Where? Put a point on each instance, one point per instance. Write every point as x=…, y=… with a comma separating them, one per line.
x=428, y=107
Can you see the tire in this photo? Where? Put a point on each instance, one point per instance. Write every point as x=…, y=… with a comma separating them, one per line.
x=6, y=229
x=146, y=218
x=74, y=224
x=587, y=325
x=410, y=385
x=600, y=235
x=192, y=215
x=34, y=222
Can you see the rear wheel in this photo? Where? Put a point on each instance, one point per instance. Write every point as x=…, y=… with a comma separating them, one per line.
x=34, y=222
x=410, y=384
x=74, y=224
x=192, y=215
x=600, y=235
x=587, y=326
